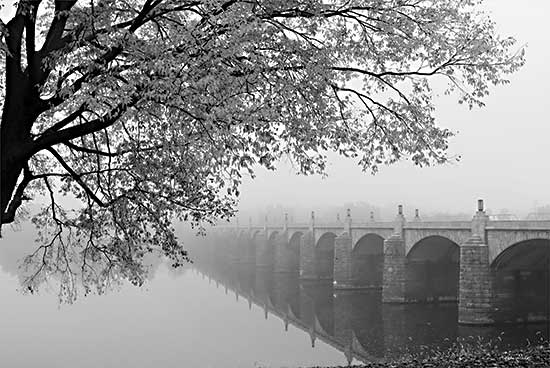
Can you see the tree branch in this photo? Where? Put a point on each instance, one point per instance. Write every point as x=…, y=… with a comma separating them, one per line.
x=76, y=177
x=18, y=197
x=65, y=135
x=54, y=36
x=33, y=63
x=109, y=154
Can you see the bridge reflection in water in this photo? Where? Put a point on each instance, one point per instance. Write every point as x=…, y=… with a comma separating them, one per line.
x=497, y=271
x=356, y=322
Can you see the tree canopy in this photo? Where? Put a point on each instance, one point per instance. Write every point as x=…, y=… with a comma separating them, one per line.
x=151, y=111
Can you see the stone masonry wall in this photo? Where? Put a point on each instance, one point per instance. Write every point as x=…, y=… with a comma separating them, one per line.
x=475, y=288
x=282, y=253
x=262, y=251
x=342, y=261
x=393, y=290
x=307, y=256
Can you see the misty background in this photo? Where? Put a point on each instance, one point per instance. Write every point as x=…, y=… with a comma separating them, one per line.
x=504, y=149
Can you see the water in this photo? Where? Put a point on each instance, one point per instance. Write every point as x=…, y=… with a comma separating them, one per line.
x=224, y=317
x=175, y=321
x=357, y=323
x=187, y=319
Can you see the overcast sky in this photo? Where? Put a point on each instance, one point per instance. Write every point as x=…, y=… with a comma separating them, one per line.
x=505, y=147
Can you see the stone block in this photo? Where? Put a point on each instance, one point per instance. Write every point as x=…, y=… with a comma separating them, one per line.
x=283, y=256
x=393, y=283
x=475, y=287
x=342, y=261
x=307, y=257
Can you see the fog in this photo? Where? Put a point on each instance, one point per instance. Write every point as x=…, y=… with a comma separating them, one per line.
x=504, y=147
x=227, y=311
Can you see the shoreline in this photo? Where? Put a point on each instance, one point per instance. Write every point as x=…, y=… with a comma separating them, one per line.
x=536, y=355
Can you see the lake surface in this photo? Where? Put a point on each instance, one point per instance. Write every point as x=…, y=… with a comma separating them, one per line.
x=231, y=317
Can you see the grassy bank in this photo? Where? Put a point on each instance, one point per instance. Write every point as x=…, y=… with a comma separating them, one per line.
x=465, y=357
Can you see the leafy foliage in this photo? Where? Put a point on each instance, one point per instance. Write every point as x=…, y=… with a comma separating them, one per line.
x=152, y=110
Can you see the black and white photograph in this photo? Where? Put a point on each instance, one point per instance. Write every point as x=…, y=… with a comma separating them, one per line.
x=274, y=183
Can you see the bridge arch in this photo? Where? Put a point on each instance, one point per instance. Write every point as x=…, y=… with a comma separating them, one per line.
x=252, y=246
x=432, y=270
x=500, y=241
x=324, y=256
x=271, y=251
x=294, y=238
x=521, y=281
x=367, y=260
x=272, y=236
x=254, y=234
x=293, y=245
x=243, y=246
x=323, y=310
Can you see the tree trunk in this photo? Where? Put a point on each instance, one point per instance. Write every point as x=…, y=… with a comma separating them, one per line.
x=11, y=167
x=18, y=115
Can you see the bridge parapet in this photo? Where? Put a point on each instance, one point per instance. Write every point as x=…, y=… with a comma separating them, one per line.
x=373, y=225
x=407, y=225
x=447, y=225
x=518, y=225
x=298, y=225
x=306, y=248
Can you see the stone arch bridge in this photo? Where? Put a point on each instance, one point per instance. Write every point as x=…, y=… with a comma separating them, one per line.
x=492, y=268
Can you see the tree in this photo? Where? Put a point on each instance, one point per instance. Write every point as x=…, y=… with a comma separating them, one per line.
x=149, y=111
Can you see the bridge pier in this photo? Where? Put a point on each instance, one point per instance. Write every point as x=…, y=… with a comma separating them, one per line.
x=342, y=262
x=473, y=261
x=393, y=279
x=307, y=257
x=262, y=250
x=475, y=287
x=394, y=272
x=283, y=260
x=343, y=323
x=232, y=249
x=343, y=247
x=250, y=250
x=283, y=255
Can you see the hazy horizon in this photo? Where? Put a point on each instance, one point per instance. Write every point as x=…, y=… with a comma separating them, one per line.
x=504, y=147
